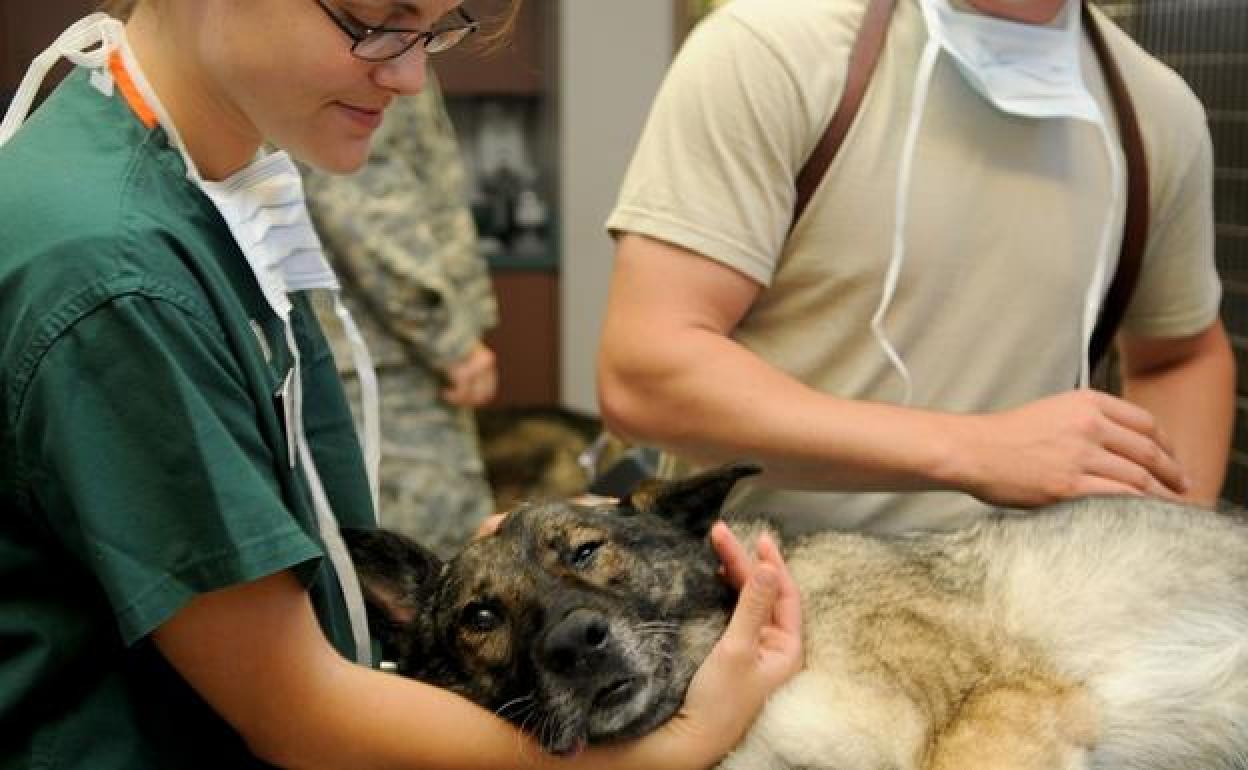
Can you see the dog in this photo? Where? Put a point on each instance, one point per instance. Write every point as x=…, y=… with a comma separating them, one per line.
x=1102, y=633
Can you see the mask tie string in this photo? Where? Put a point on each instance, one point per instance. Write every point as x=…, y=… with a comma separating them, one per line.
x=370, y=399
x=1099, y=284
x=923, y=81
x=335, y=546
x=75, y=44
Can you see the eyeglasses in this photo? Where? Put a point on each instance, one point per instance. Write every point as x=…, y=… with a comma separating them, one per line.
x=383, y=43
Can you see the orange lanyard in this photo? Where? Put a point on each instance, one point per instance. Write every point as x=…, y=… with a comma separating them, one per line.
x=122, y=78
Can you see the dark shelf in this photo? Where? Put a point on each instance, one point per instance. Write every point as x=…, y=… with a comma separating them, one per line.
x=546, y=263
x=511, y=66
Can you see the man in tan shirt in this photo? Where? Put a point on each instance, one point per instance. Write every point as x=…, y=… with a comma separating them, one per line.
x=931, y=346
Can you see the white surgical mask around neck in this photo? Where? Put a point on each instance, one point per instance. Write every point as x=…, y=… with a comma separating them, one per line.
x=1025, y=70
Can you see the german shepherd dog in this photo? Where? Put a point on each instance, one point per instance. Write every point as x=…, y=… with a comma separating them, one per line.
x=1105, y=633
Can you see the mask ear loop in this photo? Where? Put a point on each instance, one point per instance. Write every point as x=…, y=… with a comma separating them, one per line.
x=98, y=29
x=922, y=84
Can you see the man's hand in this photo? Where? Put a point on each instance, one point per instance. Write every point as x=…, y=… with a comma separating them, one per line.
x=1069, y=445
x=472, y=381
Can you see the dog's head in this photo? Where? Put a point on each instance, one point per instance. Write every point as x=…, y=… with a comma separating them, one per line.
x=580, y=623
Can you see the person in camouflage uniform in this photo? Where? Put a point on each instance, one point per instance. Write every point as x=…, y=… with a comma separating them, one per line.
x=402, y=239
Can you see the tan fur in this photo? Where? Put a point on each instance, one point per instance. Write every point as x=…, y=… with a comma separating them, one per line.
x=1025, y=643
x=1104, y=634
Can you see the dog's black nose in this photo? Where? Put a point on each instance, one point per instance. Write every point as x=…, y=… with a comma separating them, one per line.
x=576, y=641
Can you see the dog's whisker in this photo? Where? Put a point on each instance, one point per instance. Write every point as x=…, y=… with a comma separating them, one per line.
x=548, y=730
x=659, y=624
x=657, y=632
x=501, y=710
x=523, y=730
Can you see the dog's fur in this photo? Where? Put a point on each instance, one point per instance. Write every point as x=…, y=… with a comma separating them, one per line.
x=1107, y=633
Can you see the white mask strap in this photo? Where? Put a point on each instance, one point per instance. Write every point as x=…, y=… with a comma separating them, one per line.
x=370, y=400
x=327, y=525
x=922, y=84
x=87, y=43
x=1098, y=286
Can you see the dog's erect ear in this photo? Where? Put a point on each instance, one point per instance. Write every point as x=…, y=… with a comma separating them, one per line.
x=691, y=503
x=397, y=576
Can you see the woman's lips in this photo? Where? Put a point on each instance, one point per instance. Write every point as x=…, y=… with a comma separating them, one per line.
x=364, y=117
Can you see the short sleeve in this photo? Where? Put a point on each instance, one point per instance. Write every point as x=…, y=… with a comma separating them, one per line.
x=1179, y=292
x=715, y=168
x=142, y=448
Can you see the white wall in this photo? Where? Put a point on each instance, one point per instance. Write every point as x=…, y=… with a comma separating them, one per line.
x=612, y=56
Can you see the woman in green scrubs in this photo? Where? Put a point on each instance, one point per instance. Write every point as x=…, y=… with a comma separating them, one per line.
x=178, y=453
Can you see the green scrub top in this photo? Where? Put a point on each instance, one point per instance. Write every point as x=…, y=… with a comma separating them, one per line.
x=144, y=459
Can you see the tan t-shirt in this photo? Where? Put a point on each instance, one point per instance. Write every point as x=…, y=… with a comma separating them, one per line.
x=1004, y=218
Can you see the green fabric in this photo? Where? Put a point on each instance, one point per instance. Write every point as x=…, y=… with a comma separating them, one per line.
x=144, y=459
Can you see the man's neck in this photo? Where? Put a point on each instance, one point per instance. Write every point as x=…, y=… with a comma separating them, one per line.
x=1026, y=11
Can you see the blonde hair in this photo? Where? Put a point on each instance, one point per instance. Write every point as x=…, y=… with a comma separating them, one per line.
x=500, y=25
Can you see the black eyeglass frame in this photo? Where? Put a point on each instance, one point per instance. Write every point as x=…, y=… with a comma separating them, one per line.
x=361, y=35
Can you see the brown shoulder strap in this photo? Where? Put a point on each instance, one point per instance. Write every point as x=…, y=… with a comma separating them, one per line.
x=1135, y=229
x=862, y=61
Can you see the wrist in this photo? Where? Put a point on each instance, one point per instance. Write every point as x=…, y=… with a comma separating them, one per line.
x=951, y=464
x=681, y=745
x=670, y=747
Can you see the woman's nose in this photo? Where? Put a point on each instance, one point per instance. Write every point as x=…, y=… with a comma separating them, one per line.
x=404, y=74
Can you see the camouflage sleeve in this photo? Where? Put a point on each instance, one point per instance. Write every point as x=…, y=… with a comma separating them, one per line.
x=400, y=233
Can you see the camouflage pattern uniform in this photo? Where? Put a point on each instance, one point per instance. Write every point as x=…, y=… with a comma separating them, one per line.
x=402, y=239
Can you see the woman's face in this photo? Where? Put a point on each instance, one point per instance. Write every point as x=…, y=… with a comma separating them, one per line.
x=283, y=70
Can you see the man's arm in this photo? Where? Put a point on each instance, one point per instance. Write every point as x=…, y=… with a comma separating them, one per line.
x=1188, y=384
x=670, y=374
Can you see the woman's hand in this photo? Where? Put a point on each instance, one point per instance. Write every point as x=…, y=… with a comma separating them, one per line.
x=472, y=381
x=760, y=650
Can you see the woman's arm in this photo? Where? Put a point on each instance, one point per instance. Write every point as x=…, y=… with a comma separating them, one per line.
x=256, y=653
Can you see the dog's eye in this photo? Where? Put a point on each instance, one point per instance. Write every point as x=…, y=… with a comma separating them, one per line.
x=583, y=554
x=480, y=617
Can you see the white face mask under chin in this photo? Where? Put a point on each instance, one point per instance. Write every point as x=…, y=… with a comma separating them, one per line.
x=1021, y=69
x=263, y=205
x=266, y=211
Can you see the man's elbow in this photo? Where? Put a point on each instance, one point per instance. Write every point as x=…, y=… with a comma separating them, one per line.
x=647, y=384
x=622, y=406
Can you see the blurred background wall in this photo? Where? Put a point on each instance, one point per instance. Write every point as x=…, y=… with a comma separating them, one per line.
x=574, y=85
x=1206, y=41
